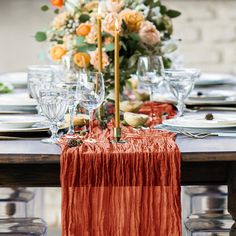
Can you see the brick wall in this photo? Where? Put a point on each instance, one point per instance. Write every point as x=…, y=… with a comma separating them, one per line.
x=208, y=32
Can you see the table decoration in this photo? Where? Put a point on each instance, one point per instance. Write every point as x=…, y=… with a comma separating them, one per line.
x=128, y=189
x=146, y=29
x=181, y=83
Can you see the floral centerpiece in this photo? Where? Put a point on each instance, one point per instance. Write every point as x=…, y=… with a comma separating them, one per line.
x=146, y=29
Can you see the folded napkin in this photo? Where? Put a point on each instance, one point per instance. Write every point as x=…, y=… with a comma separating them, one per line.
x=123, y=189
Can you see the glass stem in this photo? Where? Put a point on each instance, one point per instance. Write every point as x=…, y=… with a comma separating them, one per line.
x=72, y=113
x=90, y=122
x=181, y=107
x=151, y=93
x=54, y=130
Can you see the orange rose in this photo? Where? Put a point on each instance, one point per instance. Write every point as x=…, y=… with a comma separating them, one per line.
x=133, y=19
x=81, y=59
x=58, y=51
x=57, y=3
x=83, y=29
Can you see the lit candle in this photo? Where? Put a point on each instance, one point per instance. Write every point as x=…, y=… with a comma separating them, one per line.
x=99, y=35
x=117, y=76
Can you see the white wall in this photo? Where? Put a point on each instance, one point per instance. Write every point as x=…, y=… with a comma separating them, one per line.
x=19, y=20
x=207, y=28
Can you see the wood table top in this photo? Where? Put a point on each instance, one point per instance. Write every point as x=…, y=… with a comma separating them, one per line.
x=192, y=150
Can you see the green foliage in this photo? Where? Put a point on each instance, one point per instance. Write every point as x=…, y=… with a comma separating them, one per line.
x=109, y=47
x=80, y=40
x=40, y=36
x=173, y=13
x=44, y=8
x=134, y=36
x=56, y=11
x=84, y=17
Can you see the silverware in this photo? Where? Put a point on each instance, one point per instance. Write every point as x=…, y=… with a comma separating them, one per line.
x=202, y=135
x=213, y=108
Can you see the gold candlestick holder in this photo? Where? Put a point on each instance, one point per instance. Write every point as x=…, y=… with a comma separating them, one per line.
x=117, y=136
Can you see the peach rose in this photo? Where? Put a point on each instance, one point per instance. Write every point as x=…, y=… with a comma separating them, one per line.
x=83, y=29
x=149, y=34
x=60, y=20
x=58, y=51
x=114, y=5
x=133, y=19
x=92, y=36
x=109, y=23
x=94, y=59
x=81, y=59
x=57, y=3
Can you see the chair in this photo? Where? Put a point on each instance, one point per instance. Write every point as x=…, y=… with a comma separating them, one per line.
x=208, y=213
x=23, y=227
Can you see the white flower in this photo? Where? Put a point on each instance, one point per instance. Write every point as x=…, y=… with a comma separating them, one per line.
x=144, y=9
x=71, y=5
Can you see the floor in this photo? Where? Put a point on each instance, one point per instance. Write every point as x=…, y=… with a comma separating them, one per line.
x=54, y=232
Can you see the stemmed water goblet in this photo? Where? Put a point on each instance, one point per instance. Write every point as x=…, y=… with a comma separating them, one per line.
x=181, y=83
x=90, y=95
x=150, y=75
x=150, y=72
x=39, y=77
x=70, y=84
x=54, y=104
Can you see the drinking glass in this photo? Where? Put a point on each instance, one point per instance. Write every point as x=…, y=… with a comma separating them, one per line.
x=70, y=84
x=181, y=83
x=39, y=77
x=90, y=94
x=54, y=104
x=150, y=72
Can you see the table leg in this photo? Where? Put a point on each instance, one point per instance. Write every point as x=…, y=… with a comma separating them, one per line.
x=232, y=196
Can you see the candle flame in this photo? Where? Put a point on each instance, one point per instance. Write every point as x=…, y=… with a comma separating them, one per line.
x=117, y=24
x=99, y=9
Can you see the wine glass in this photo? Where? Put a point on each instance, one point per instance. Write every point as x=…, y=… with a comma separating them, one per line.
x=54, y=104
x=70, y=84
x=39, y=77
x=150, y=72
x=90, y=94
x=181, y=83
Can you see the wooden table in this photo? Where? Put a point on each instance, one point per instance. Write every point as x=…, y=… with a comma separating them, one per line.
x=210, y=161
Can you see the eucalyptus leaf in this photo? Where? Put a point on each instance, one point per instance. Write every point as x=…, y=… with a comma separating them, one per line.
x=40, y=36
x=84, y=17
x=80, y=40
x=83, y=48
x=110, y=47
x=163, y=9
x=173, y=13
x=123, y=45
x=134, y=36
x=56, y=11
x=44, y=8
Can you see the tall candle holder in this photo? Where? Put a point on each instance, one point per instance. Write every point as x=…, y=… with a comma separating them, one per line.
x=117, y=130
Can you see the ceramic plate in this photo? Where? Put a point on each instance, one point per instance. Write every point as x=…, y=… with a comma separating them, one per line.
x=199, y=121
x=17, y=79
x=214, y=79
x=211, y=95
x=19, y=121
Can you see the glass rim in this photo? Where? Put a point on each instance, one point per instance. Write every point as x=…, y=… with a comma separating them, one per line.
x=181, y=70
x=39, y=67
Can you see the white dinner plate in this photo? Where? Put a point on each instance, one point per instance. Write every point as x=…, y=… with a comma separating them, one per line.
x=17, y=79
x=17, y=102
x=211, y=95
x=40, y=128
x=199, y=121
x=19, y=121
x=207, y=79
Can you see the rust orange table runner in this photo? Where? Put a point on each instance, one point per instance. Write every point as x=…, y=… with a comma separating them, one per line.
x=130, y=189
